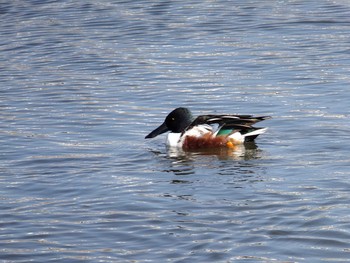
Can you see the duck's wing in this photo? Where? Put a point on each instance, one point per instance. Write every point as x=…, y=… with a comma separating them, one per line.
x=228, y=120
x=229, y=124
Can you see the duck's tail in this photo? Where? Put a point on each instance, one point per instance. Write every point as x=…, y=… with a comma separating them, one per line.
x=250, y=136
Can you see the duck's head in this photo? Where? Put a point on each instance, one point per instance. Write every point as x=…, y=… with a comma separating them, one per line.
x=176, y=121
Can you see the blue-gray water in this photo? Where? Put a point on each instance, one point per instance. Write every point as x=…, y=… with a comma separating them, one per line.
x=82, y=83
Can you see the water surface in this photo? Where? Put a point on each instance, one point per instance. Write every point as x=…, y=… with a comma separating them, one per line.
x=82, y=83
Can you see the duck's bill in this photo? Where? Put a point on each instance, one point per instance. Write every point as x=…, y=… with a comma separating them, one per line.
x=161, y=129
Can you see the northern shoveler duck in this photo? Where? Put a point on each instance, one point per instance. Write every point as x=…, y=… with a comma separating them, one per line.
x=189, y=133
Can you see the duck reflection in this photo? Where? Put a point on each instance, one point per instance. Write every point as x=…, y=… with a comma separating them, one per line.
x=185, y=162
x=245, y=151
x=188, y=162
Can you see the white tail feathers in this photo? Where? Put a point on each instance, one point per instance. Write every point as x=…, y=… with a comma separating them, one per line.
x=256, y=132
x=238, y=138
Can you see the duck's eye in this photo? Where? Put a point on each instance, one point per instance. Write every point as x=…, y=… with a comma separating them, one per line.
x=172, y=119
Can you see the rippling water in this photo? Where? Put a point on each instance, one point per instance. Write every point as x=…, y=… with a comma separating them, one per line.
x=82, y=83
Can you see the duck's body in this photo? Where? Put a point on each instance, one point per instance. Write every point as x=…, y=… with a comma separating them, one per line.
x=188, y=133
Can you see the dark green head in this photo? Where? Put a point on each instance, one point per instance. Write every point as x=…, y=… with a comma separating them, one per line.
x=176, y=121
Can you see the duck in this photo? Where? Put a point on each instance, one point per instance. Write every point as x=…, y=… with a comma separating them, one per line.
x=208, y=131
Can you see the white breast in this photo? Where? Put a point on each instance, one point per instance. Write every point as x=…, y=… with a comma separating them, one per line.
x=173, y=139
x=176, y=140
